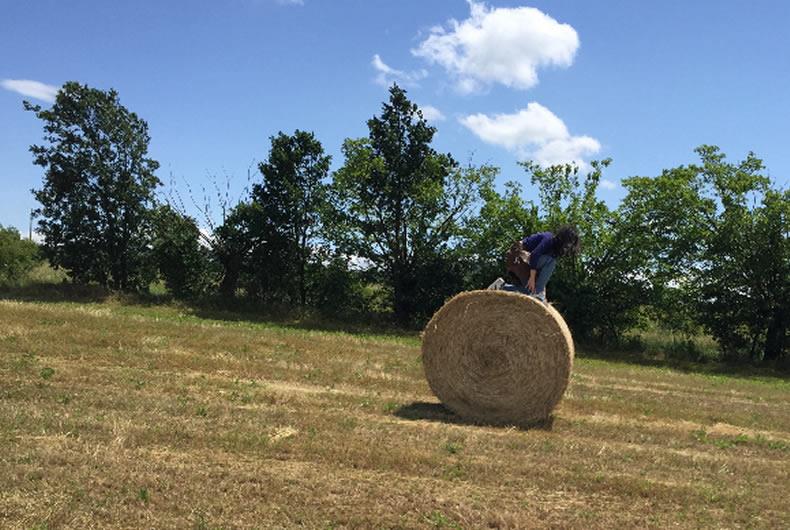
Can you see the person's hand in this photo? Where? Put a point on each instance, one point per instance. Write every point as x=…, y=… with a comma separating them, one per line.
x=531, y=284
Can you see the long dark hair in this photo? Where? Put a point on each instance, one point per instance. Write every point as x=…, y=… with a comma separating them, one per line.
x=566, y=241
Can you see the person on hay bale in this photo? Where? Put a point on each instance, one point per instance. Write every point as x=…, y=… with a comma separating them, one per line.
x=531, y=261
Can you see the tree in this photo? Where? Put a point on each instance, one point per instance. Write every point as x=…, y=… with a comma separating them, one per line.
x=180, y=258
x=397, y=202
x=668, y=219
x=714, y=257
x=290, y=200
x=98, y=188
x=17, y=256
x=772, y=231
x=233, y=243
x=501, y=219
x=744, y=272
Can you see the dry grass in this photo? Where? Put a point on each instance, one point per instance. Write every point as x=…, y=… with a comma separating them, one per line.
x=127, y=416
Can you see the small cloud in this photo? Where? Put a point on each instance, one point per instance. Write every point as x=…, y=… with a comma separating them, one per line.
x=431, y=113
x=608, y=184
x=534, y=132
x=291, y=2
x=32, y=89
x=388, y=75
x=499, y=45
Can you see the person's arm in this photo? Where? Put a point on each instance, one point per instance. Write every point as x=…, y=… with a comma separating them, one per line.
x=531, y=282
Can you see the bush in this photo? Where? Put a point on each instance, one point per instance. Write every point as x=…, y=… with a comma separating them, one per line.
x=336, y=290
x=182, y=262
x=17, y=257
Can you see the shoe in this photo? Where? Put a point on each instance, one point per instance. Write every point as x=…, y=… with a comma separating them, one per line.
x=497, y=285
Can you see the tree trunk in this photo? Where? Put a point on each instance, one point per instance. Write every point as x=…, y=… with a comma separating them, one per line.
x=403, y=296
x=776, y=336
x=303, y=256
x=230, y=278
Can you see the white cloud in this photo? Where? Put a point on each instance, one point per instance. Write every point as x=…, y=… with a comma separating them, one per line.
x=499, y=45
x=388, y=75
x=608, y=184
x=33, y=89
x=291, y=2
x=534, y=132
x=431, y=113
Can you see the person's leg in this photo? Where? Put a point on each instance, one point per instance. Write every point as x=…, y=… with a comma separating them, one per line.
x=545, y=265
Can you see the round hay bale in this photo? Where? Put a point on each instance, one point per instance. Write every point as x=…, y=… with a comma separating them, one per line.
x=498, y=357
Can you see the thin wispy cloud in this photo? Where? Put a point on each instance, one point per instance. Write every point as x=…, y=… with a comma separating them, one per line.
x=31, y=89
x=291, y=2
x=388, y=75
x=431, y=113
x=608, y=184
x=499, y=45
x=533, y=132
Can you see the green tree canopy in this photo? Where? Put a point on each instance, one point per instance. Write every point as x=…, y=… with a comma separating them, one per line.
x=716, y=236
x=744, y=271
x=290, y=198
x=397, y=202
x=179, y=256
x=487, y=235
x=600, y=292
x=98, y=187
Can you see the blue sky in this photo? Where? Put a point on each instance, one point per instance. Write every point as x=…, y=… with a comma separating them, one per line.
x=640, y=82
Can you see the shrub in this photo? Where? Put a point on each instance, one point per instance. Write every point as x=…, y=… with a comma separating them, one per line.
x=17, y=257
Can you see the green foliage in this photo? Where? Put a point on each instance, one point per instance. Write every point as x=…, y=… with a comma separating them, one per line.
x=744, y=280
x=144, y=495
x=714, y=257
x=604, y=276
x=18, y=257
x=487, y=236
x=98, y=188
x=668, y=219
x=233, y=243
x=288, y=202
x=334, y=288
x=398, y=203
x=180, y=258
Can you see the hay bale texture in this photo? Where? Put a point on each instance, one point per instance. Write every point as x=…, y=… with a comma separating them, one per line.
x=498, y=357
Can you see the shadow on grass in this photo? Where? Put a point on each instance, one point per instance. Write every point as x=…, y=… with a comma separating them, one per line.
x=82, y=294
x=779, y=370
x=210, y=308
x=423, y=410
x=235, y=310
x=59, y=292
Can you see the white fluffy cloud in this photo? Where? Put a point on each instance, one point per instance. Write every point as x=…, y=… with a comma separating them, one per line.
x=499, y=45
x=431, y=113
x=608, y=184
x=32, y=89
x=388, y=75
x=533, y=132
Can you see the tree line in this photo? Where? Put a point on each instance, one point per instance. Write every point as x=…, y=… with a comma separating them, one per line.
x=400, y=227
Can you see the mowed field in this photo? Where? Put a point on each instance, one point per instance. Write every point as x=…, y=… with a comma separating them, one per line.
x=127, y=416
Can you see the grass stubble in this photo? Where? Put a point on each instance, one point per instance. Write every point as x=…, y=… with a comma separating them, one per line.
x=116, y=415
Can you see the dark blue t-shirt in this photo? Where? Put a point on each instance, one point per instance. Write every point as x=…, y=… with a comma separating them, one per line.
x=538, y=245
